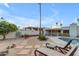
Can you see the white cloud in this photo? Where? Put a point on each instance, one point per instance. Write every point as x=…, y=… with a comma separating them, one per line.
x=75, y=20
x=3, y=12
x=55, y=12
x=11, y=21
x=26, y=21
x=47, y=20
x=6, y=5
x=23, y=21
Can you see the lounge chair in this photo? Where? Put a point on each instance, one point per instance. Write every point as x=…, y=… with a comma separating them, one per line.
x=65, y=47
x=3, y=53
x=49, y=52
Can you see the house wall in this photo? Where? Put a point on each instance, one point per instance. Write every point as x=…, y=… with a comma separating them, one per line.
x=78, y=31
x=9, y=35
x=73, y=30
x=29, y=32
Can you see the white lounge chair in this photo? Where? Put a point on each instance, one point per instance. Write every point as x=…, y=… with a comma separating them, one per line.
x=4, y=52
x=60, y=47
x=49, y=52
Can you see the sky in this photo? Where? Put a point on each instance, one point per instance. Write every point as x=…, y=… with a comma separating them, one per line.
x=28, y=14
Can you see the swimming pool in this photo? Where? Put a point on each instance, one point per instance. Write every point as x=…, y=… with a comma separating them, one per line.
x=75, y=41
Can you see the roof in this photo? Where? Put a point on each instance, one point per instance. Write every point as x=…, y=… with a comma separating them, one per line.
x=65, y=28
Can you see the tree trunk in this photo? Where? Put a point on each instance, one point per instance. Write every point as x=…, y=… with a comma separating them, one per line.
x=4, y=37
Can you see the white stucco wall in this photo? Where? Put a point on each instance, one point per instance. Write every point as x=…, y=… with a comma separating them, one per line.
x=73, y=30
x=10, y=35
x=78, y=31
x=30, y=32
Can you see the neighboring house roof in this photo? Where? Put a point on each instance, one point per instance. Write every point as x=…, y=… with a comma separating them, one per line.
x=65, y=28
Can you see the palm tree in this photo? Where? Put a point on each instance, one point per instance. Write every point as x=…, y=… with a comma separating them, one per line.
x=61, y=24
x=78, y=19
x=56, y=23
x=57, y=26
x=2, y=18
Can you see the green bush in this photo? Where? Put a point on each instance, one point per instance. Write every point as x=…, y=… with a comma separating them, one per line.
x=65, y=34
x=42, y=37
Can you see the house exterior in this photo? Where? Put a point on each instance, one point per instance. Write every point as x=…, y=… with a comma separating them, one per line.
x=58, y=31
x=71, y=30
x=9, y=35
x=34, y=31
x=74, y=30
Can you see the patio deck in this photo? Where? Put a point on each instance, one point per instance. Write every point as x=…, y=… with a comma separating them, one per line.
x=25, y=47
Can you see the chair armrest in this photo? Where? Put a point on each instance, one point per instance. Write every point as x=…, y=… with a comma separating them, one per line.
x=47, y=44
x=51, y=46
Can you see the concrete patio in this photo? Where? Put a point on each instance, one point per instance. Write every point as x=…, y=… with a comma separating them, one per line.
x=26, y=47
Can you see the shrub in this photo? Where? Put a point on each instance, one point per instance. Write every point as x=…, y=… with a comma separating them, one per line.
x=6, y=27
x=42, y=37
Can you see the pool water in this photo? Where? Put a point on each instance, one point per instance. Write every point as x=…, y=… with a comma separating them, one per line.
x=75, y=41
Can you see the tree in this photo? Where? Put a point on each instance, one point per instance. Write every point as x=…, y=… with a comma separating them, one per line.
x=61, y=24
x=6, y=27
x=56, y=23
x=78, y=19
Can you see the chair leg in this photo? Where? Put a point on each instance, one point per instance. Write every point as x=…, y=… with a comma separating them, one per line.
x=39, y=52
x=61, y=50
x=35, y=52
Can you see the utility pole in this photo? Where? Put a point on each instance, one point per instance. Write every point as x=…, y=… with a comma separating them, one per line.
x=40, y=19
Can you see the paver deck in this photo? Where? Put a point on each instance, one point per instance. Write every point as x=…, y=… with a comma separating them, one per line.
x=24, y=47
x=23, y=52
